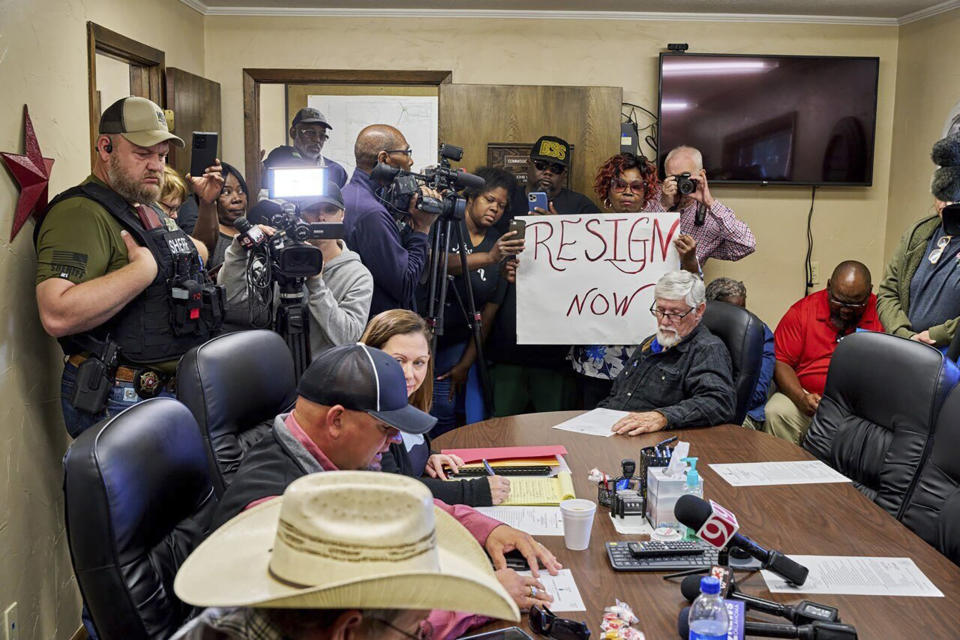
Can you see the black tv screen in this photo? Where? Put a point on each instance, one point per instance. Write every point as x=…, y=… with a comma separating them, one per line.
x=771, y=119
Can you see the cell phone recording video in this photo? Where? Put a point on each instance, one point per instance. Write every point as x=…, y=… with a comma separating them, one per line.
x=203, y=151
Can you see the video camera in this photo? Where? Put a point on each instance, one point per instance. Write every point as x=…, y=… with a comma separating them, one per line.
x=402, y=185
x=291, y=190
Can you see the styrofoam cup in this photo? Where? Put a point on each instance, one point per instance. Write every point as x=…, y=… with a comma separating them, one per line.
x=578, y=517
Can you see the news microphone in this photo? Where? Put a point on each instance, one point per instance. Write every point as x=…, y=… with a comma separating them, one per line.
x=250, y=234
x=801, y=613
x=718, y=527
x=812, y=631
x=263, y=211
x=469, y=181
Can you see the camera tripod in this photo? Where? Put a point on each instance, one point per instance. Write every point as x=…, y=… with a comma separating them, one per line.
x=450, y=226
x=292, y=322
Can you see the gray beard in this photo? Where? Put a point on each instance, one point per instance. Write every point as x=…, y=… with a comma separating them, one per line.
x=130, y=190
x=667, y=339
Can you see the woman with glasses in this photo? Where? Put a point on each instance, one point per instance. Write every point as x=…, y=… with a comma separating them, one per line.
x=625, y=183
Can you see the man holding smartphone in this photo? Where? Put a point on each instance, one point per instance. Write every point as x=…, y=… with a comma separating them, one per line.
x=119, y=284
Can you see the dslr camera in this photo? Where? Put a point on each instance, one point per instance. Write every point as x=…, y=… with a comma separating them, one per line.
x=685, y=184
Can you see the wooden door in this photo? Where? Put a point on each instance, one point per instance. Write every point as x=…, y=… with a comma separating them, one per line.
x=195, y=102
x=475, y=115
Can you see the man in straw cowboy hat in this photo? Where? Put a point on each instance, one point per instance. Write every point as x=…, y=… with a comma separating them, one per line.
x=350, y=554
x=351, y=405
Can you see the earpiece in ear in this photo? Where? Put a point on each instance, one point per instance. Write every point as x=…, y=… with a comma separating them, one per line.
x=108, y=147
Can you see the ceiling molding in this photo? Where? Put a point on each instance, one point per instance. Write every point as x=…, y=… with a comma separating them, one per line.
x=329, y=12
x=922, y=14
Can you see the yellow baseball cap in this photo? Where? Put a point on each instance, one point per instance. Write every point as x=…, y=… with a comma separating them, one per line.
x=138, y=120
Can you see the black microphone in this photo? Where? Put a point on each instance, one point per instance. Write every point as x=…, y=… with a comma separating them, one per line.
x=384, y=173
x=801, y=613
x=718, y=527
x=250, y=234
x=263, y=211
x=812, y=631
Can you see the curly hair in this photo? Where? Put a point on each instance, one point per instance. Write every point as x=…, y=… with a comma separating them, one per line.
x=395, y=322
x=616, y=165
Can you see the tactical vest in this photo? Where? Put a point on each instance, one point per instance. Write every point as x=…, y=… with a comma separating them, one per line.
x=180, y=309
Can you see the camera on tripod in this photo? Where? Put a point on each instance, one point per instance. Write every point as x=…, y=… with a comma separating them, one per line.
x=291, y=191
x=402, y=185
x=685, y=184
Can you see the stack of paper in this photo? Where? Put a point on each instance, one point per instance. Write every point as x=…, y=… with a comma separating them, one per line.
x=539, y=491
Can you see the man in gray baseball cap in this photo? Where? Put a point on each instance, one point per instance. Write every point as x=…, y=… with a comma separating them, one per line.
x=308, y=131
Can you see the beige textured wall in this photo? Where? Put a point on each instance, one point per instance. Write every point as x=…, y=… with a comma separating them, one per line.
x=848, y=222
x=43, y=63
x=928, y=87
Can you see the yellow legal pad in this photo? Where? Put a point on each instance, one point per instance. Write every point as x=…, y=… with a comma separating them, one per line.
x=539, y=491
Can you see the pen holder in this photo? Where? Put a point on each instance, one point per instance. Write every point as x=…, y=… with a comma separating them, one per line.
x=650, y=458
x=605, y=496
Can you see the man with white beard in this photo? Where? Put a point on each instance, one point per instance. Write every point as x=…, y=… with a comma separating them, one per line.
x=681, y=376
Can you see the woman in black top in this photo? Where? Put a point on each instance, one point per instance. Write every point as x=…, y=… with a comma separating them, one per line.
x=456, y=396
x=404, y=336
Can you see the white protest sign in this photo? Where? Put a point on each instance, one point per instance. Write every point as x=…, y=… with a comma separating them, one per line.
x=589, y=278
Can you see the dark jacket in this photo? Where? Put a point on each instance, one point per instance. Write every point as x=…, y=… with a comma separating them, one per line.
x=691, y=384
x=474, y=492
x=893, y=296
x=395, y=259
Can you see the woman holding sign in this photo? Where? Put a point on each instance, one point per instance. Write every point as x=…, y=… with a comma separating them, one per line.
x=626, y=184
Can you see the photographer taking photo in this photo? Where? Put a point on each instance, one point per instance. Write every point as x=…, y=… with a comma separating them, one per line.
x=338, y=298
x=709, y=228
x=395, y=254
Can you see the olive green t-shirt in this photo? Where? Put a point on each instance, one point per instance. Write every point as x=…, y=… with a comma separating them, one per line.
x=79, y=240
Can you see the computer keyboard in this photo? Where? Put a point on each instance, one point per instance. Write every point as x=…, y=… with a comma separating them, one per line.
x=526, y=470
x=621, y=559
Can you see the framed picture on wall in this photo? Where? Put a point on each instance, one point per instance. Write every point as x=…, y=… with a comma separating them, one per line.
x=515, y=158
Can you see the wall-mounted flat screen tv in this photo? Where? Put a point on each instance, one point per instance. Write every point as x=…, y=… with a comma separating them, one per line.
x=804, y=120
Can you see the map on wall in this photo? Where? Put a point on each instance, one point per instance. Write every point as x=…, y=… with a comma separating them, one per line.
x=415, y=116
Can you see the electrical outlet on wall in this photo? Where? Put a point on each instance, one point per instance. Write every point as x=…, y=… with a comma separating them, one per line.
x=11, y=626
x=815, y=271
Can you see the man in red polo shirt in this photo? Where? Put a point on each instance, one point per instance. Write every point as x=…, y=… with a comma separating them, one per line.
x=804, y=343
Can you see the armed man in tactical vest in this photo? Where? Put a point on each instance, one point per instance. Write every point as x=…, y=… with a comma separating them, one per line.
x=119, y=284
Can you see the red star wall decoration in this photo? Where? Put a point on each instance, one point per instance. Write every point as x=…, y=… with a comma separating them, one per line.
x=32, y=173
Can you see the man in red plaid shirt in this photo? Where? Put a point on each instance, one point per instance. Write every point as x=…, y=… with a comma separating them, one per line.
x=709, y=228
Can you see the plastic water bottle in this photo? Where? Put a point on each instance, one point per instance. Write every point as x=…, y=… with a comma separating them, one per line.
x=708, y=615
x=693, y=486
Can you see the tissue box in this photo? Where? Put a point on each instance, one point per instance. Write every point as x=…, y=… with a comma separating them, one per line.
x=662, y=495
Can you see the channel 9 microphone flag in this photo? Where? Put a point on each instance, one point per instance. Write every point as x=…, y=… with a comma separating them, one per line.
x=589, y=278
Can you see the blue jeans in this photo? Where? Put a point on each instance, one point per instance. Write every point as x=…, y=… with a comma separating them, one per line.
x=122, y=396
x=468, y=403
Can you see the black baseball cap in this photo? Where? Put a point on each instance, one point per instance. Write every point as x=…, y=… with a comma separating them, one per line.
x=551, y=149
x=361, y=378
x=309, y=115
x=331, y=195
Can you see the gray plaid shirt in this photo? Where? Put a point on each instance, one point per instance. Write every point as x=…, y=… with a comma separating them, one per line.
x=229, y=624
x=691, y=383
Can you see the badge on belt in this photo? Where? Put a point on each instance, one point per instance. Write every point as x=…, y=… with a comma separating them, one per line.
x=147, y=383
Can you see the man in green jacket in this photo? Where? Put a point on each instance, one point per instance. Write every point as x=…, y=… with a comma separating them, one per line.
x=918, y=295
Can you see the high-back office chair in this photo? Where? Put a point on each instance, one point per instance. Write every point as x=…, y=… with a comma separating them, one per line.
x=742, y=332
x=878, y=412
x=138, y=499
x=234, y=385
x=933, y=511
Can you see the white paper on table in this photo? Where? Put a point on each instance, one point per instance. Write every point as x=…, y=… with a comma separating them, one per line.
x=759, y=474
x=559, y=468
x=537, y=521
x=632, y=525
x=598, y=422
x=563, y=588
x=857, y=576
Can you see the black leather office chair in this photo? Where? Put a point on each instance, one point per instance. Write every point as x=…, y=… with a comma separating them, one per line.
x=742, y=332
x=878, y=411
x=138, y=500
x=933, y=511
x=234, y=385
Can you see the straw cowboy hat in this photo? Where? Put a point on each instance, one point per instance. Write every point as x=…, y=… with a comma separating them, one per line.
x=345, y=539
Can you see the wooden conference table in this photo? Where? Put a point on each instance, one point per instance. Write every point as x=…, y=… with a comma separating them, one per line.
x=813, y=519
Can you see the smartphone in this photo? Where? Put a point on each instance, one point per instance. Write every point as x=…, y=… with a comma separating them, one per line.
x=203, y=152
x=537, y=200
x=520, y=226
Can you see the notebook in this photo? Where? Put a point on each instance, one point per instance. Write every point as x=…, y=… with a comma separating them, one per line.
x=539, y=491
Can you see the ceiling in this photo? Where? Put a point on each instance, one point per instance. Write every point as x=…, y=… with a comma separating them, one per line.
x=854, y=11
